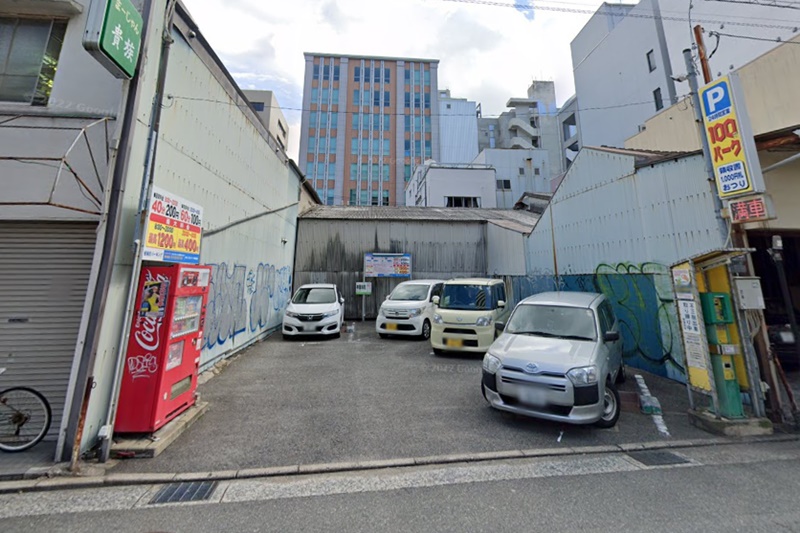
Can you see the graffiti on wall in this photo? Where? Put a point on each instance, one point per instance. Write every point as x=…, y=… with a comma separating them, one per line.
x=243, y=300
x=642, y=297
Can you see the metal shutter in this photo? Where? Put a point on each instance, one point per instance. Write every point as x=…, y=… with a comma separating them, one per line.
x=44, y=273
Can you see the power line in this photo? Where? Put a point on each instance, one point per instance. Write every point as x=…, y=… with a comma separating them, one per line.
x=605, y=11
x=764, y=3
x=752, y=38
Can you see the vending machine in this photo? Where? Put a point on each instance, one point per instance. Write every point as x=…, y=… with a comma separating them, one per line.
x=160, y=375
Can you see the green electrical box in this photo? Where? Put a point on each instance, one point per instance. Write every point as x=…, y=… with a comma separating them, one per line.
x=730, y=401
x=717, y=308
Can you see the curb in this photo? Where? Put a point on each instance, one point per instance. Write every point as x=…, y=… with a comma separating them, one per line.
x=118, y=480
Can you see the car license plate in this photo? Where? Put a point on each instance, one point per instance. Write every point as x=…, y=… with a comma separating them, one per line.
x=532, y=396
x=391, y=327
x=453, y=343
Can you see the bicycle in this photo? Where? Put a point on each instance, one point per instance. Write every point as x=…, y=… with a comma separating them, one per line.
x=25, y=418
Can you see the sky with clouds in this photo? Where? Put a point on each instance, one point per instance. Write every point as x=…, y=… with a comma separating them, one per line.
x=487, y=53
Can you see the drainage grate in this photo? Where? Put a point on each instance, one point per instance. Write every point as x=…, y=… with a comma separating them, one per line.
x=193, y=491
x=657, y=458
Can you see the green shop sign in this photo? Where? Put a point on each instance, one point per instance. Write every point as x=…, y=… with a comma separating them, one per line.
x=114, y=35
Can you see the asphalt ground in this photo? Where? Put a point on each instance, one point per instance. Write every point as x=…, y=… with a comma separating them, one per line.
x=362, y=398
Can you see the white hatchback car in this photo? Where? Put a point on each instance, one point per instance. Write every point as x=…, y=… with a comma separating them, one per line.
x=315, y=309
x=408, y=310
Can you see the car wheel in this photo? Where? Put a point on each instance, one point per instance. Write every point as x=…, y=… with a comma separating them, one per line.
x=610, y=407
x=437, y=351
x=384, y=335
x=426, y=330
x=621, y=377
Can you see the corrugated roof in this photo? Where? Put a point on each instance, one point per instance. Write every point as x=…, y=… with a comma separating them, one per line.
x=522, y=221
x=645, y=157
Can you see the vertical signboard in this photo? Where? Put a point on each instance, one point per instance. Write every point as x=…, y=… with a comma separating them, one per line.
x=692, y=328
x=174, y=229
x=730, y=138
x=113, y=35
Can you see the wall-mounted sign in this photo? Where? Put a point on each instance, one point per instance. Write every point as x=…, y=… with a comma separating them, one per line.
x=378, y=265
x=113, y=35
x=751, y=209
x=174, y=229
x=730, y=138
x=363, y=288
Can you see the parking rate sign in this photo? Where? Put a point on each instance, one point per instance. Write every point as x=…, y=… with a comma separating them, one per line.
x=728, y=139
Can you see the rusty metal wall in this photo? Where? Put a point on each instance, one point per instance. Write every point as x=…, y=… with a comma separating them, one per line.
x=332, y=251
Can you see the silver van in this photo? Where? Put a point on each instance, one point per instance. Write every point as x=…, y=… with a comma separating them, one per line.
x=558, y=358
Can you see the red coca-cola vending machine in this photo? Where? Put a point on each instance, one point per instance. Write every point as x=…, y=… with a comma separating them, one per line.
x=163, y=356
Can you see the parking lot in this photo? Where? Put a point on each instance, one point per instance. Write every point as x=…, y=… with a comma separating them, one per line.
x=361, y=398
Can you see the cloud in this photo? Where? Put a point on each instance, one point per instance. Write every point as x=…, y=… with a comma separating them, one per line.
x=332, y=15
x=525, y=7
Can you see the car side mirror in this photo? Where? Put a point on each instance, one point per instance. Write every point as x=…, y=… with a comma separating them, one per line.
x=499, y=326
x=435, y=300
x=341, y=300
x=611, y=336
x=501, y=303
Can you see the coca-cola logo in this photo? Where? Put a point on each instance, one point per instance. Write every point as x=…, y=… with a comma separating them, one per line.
x=148, y=327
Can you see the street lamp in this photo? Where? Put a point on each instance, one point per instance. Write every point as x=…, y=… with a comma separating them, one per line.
x=776, y=253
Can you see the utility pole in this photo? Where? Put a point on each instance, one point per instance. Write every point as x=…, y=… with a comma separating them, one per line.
x=737, y=239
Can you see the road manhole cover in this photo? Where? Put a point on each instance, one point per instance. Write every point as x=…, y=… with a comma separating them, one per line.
x=193, y=491
x=657, y=458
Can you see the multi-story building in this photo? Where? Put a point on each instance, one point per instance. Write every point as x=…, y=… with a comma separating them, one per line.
x=458, y=129
x=517, y=171
x=628, y=60
x=452, y=185
x=266, y=107
x=366, y=123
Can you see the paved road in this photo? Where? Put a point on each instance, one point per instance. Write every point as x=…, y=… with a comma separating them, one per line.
x=724, y=488
x=364, y=398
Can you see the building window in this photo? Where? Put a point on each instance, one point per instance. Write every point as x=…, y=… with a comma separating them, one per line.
x=374, y=198
x=386, y=99
x=352, y=197
x=29, y=51
x=330, y=197
x=521, y=171
x=356, y=97
x=408, y=98
x=407, y=172
x=386, y=147
x=332, y=145
x=310, y=170
x=283, y=128
x=326, y=73
x=387, y=75
x=334, y=96
x=503, y=185
x=491, y=127
x=387, y=122
x=323, y=120
x=407, y=148
x=428, y=152
x=657, y=97
x=336, y=73
x=385, y=197
x=407, y=121
x=354, y=146
x=416, y=100
x=427, y=123
x=313, y=119
x=312, y=144
x=536, y=171
x=314, y=95
x=357, y=74
x=407, y=75
x=448, y=106
x=416, y=77
x=492, y=142
x=376, y=75
x=417, y=147
x=385, y=172
x=334, y=121
x=316, y=72
x=651, y=60
x=462, y=201
x=258, y=106
x=427, y=100
x=323, y=144
x=353, y=170
x=376, y=98
x=366, y=74
x=427, y=77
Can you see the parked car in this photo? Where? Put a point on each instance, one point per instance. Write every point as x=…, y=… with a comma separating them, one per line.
x=465, y=314
x=315, y=309
x=408, y=310
x=558, y=358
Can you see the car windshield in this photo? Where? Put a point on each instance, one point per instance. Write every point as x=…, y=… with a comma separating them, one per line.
x=412, y=292
x=314, y=295
x=466, y=297
x=553, y=321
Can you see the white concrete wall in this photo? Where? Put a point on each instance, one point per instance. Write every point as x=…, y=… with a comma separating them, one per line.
x=433, y=186
x=458, y=130
x=612, y=79
x=507, y=164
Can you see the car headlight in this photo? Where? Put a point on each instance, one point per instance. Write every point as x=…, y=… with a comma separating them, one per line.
x=331, y=313
x=437, y=319
x=292, y=314
x=380, y=312
x=415, y=312
x=484, y=321
x=491, y=363
x=582, y=376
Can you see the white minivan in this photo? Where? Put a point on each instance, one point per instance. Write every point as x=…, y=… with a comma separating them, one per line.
x=408, y=310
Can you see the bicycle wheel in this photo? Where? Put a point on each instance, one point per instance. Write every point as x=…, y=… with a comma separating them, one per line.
x=24, y=418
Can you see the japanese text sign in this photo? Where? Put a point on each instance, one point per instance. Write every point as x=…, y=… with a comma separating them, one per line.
x=730, y=139
x=387, y=265
x=753, y=209
x=114, y=35
x=173, y=229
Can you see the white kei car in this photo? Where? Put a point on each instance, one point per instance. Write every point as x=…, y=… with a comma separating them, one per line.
x=315, y=309
x=408, y=310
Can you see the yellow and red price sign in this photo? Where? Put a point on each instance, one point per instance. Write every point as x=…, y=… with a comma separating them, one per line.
x=174, y=229
x=730, y=140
